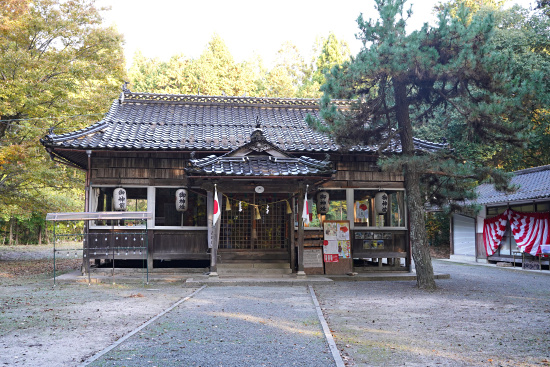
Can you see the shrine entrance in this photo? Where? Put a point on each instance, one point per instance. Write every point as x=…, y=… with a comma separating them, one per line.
x=255, y=222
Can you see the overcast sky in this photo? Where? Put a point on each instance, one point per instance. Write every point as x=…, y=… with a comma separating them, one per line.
x=163, y=28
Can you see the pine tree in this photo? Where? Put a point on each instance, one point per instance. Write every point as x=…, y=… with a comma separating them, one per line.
x=398, y=81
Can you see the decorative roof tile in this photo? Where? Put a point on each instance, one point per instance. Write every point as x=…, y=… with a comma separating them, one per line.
x=259, y=157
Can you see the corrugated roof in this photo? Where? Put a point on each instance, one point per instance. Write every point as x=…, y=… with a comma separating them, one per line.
x=532, y=183
x=153, y=122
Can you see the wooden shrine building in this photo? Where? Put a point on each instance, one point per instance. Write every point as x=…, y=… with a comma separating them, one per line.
x=173, y=154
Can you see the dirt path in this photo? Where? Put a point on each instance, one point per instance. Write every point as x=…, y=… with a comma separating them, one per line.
x=231, y=326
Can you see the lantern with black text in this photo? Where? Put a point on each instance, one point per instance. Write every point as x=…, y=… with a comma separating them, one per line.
x=181, y=200
x=119, y=199
x=381, y=200
x=323, y=203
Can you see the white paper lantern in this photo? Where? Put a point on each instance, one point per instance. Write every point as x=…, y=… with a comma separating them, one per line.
x=119, y=199
x=181, y=200
x=381, y=201
x=323, y=202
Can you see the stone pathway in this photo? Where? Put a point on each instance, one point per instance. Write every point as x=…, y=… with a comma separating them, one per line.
x=230, y=326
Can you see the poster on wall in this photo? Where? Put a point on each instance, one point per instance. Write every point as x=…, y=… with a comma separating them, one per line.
x=362, y=209
x=336, y=242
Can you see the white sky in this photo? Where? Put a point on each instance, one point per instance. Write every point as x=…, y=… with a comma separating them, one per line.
x=163, y=28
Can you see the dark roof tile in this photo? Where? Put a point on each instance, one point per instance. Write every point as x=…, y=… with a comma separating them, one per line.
x=205, y=123
x=532, y=183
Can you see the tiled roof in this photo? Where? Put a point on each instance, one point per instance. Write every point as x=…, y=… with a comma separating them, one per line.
x=259, y=157
x=258, y=166
x=532, y=183
x=152, y=122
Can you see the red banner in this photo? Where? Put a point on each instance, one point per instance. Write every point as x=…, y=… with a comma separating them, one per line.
x=331, y=258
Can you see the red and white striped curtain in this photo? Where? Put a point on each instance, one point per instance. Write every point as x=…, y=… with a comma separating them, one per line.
x=493, y=230
x=530, y=230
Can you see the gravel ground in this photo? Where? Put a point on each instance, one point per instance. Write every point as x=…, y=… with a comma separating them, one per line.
x=482, y=316
x=231, y=326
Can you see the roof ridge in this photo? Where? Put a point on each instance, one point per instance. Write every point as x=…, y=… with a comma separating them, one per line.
x=230, y=100
x=532, y=170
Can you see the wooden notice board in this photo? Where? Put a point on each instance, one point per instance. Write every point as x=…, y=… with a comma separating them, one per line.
x=337, y=247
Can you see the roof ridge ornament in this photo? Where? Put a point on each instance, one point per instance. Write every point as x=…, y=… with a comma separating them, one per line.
x=124, y=90
x=258, y=122
x=258, y=134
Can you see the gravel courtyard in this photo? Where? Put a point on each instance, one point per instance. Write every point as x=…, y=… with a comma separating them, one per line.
x=481, y=316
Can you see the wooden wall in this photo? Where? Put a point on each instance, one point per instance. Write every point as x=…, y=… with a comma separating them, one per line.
x=164, y=168
x=190, y=245
x=362, y=171
x=148, y=169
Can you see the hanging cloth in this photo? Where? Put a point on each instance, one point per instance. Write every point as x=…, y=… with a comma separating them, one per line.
x=493, y=230
x=306, y=210
x=216, y=207
x=530, y=230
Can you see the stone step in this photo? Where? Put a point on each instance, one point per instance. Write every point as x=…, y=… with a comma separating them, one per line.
x=247, y=265
x=253, y=271
x=257, y=276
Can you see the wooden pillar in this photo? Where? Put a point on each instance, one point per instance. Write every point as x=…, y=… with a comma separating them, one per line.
x=300, y=256
x=292, y=236
x=150, y=249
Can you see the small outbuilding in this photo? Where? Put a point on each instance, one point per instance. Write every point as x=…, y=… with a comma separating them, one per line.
x=240, y=179
x=510, y=227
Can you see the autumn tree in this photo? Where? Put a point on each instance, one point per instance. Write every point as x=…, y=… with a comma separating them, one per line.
x=56, y=60
x=399, y=80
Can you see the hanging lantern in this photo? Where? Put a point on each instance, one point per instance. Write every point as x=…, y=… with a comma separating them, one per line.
x=119, y=199
x=323, y=203
x=381, y=202
x=181, y=200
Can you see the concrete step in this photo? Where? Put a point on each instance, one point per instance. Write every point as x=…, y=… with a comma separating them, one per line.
x=463, y=258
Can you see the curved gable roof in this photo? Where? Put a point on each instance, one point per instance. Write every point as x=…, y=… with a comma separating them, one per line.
x=162, y=122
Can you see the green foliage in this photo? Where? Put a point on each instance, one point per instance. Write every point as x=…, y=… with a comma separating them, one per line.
x=56, y=59
x=216, y=73
x=438, y=229
x=475, y=79
x=473, y=76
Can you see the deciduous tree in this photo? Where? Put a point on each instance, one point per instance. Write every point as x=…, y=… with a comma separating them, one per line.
x=56, y=60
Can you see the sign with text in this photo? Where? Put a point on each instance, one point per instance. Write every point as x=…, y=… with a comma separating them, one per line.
x=336, y=242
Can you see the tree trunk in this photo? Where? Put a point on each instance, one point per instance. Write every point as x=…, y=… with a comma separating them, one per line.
x=417, y=227
x=39, y=235
x=417, y=224
x=16, y=232
x=10, y=241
